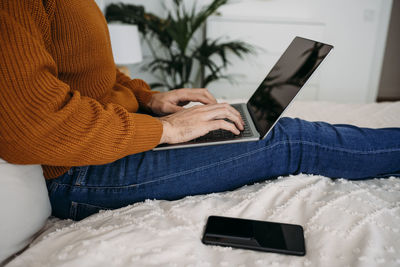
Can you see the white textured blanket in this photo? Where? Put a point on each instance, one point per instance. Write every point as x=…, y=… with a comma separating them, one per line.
x=346, y=223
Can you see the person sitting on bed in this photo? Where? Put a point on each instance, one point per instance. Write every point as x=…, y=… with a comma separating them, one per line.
x=64, y=105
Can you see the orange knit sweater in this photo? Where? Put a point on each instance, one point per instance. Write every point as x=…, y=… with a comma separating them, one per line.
x=62, y=101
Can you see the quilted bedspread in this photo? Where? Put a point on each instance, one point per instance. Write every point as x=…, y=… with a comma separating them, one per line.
x=346, y=223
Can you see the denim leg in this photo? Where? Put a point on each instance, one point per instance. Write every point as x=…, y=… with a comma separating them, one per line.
x=294, y=146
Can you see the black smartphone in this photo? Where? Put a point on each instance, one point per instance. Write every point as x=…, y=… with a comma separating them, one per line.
x=255, y=235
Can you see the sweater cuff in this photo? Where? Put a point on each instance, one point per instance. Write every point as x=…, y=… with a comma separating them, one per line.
x=147, y=133
x=142, y=92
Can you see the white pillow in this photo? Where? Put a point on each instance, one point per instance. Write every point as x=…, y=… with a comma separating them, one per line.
x=24, y=206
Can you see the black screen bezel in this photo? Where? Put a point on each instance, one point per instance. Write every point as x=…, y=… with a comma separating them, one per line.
x=261, y=125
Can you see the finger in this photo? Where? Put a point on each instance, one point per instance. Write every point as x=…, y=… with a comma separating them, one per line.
x=224, y=125
x=217, y=111
x=223, y=113
x=168, y=108
x=207, y=94
x=227, y=107
x=224, y=105
x=171, y=108
x=196, y=95
x=211, y=96
x=184, y=103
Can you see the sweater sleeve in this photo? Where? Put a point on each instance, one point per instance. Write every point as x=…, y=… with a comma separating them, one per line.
x=44, y=121
x=140, y=88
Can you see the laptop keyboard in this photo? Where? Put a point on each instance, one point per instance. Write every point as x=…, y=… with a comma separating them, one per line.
x=221, y=135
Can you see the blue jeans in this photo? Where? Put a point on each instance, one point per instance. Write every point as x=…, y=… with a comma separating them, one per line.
x=293, y=146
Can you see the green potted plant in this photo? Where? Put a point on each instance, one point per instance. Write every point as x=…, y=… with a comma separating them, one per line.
x=179, y=58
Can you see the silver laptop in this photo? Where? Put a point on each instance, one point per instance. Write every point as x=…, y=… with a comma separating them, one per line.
x=272, y=97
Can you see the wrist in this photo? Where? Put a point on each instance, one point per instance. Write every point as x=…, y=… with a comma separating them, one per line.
x=148, y=104
x=164, y=137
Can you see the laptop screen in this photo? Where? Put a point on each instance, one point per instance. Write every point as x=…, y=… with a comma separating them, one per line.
x=284, y=81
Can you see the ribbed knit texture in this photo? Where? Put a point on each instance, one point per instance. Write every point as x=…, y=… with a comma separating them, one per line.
x=62, y=101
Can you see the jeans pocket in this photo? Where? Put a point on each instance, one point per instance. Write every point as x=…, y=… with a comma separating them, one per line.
x=80, y=211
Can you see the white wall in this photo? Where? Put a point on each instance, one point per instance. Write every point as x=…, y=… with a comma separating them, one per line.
x=357, y=29
x=347, y=12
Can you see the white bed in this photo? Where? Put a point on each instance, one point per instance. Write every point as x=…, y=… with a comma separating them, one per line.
x=346, y=223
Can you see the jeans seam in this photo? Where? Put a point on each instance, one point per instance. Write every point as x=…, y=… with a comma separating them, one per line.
x=52, y=188
x=88, y=205
x=81, y=175
x=380, y=151
x=170, y=176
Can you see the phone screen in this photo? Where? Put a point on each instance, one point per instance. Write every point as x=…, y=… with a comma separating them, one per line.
x=257, y=235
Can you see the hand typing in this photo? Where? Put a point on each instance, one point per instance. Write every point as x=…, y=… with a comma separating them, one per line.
x=188, y=124
x=173, y=101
